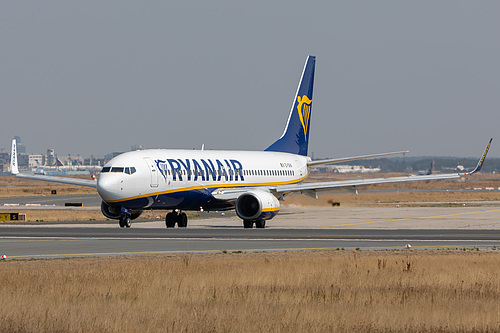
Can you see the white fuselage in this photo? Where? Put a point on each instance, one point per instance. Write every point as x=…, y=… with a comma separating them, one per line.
x=185, y=179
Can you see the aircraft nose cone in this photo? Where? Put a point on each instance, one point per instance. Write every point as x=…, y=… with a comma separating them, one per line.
x=107, y=187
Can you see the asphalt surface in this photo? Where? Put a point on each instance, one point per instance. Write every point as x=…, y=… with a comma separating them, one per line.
x=461, y=226
x=58, y=242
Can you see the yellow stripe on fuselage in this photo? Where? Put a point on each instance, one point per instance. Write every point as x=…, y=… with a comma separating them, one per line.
x=192, y=188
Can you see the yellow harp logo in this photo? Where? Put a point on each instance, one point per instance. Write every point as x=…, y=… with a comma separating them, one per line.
x=304, y=108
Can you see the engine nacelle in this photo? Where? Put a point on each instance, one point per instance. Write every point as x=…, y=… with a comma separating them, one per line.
x=111, y=212
x=114, y=212
x=257, y=205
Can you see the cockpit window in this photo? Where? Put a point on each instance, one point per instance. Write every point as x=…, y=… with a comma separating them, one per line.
x=127, y=170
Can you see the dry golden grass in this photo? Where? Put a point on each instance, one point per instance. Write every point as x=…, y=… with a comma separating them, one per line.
x=58, y=215
x=334, y=291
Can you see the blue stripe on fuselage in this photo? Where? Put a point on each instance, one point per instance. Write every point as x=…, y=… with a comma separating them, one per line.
x=186, y=200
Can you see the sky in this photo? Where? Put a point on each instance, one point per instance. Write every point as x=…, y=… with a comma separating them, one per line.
x=93, y=77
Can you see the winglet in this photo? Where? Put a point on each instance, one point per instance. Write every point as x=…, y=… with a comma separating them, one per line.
x=14, y=170
x=481, y=160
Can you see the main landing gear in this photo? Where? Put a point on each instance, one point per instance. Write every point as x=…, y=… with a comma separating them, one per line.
x=247, y=224
x=176, y=217
x=125, y=221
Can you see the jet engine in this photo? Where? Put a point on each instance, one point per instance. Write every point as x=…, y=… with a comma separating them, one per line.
x=114, y=212
x=257, y=205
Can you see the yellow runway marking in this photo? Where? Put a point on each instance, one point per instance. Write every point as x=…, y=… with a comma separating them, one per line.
x=407, y=219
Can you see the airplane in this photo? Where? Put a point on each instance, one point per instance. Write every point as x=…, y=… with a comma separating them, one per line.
x=251, y=182
x=428, y=171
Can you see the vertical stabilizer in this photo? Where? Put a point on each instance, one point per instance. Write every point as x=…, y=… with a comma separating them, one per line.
x=13, y=159
x=295, y=138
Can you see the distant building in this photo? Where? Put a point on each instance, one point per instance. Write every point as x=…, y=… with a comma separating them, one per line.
x=136, y=147
x=4, y=158
x=50, y=158
x=112, y=155
x=23, y=160
x=35, y=161
x=4, y=162
x=345, y=169
x=20, y=147
x=94, y=161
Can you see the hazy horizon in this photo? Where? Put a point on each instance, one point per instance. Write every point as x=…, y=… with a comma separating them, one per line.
x=94, y=77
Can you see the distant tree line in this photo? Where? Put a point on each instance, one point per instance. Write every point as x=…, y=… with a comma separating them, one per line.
x=441, y=164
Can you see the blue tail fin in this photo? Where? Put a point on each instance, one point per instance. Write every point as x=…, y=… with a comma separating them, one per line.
x=296, y=135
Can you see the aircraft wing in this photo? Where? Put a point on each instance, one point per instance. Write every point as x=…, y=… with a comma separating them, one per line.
x=55, y=179
x=311, y=189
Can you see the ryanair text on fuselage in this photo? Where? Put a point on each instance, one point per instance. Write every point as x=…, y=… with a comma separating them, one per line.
x=201, y=170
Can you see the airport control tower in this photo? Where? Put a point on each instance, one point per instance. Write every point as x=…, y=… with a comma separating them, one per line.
x=51, y=157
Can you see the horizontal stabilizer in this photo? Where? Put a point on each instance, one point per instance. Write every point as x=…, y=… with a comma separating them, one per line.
x=355, y=158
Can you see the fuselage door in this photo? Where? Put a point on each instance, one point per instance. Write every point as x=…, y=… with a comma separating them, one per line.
x=300, y=169
x=153, y=170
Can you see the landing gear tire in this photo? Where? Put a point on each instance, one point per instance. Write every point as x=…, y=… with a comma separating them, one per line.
x=182, y=220
x=125, y=221
x=247, y=224
x=170, y=220
x=260, y=224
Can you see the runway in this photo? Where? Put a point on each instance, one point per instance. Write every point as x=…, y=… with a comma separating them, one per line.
x=346, y=228
x=81, y=242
